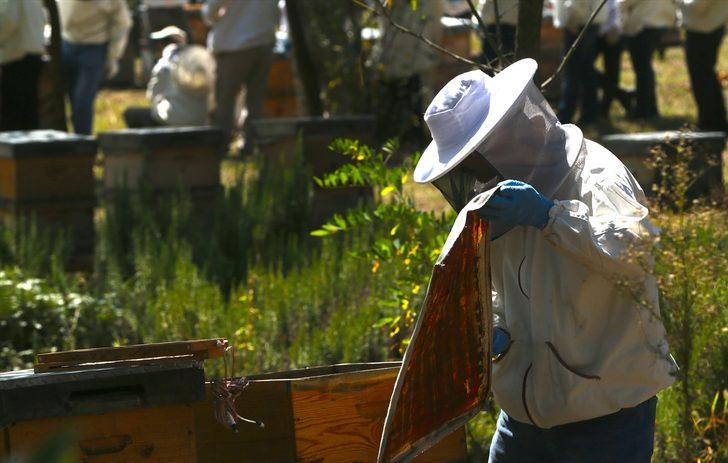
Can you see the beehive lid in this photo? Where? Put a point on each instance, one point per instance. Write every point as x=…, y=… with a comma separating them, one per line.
x=636, y=143
x=25, y=395
x=159, y=137
x=45, y=143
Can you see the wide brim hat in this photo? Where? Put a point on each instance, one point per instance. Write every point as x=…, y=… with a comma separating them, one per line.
x=447, y=149
x=170, y=33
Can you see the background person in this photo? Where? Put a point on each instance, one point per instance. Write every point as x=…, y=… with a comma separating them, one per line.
x=705, y=23
x=508, y=19
x=579, y=81
x=642, y=24
x=155, y=15
x=403, y=65
x=180, y=86
x=241, y=38
x=610, y=46
x=94, y=36
x=21, y=50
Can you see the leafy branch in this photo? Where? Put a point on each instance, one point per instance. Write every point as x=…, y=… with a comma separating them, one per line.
x=409, y=240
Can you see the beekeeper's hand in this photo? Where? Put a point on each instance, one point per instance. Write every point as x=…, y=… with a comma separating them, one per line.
x=112, y=68
x=500, y=341
x=517, y=203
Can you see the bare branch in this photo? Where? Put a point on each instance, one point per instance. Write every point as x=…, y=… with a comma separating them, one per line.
x=568, y=54
x=382, y=11
x=498, y=35
x=486, y=36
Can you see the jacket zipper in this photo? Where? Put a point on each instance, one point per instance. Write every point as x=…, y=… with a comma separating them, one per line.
x=565, y=365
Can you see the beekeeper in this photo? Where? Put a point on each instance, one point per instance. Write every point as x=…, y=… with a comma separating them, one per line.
x=581, y=348
x=180, y=87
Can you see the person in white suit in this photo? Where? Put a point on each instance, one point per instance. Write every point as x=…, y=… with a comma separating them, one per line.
x=580, y=347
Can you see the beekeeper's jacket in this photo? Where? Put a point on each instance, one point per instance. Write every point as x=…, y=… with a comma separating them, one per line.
x=703, y=15
x=96, y=22
x=636, y=15
x=579, y=302
x=507, y=12
x=21, y=29
x=574, y=14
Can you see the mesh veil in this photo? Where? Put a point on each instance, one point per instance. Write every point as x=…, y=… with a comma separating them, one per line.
x=530, y=144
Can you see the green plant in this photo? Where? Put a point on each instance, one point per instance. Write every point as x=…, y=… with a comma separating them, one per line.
x=38, y=317
x=413, y=237
x=691, y=264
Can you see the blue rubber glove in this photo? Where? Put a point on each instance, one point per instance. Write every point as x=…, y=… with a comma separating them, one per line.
x=517, y=203
x=500, y=341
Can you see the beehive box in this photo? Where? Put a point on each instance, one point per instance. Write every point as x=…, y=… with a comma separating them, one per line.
x=325, y=414
x=130, y=414
x=280, y=94
x=162, y=158
x=48, y=175
x=635, y=149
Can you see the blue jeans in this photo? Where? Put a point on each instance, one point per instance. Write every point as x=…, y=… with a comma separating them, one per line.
x=622, y=437
x=85, y=66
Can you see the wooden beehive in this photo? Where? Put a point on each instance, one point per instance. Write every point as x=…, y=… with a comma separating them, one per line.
x=48, y=175
x=280, y=93
x=163, y=158
x=126, y=414
x=324, y=414
x=159, y=413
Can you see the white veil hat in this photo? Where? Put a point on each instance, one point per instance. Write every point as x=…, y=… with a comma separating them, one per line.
x=465, y=112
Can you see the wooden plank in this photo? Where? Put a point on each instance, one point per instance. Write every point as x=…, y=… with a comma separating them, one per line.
x=340, y=419
x=201, y=349
x=162, y=434
x=70, y=366
x=266, y=401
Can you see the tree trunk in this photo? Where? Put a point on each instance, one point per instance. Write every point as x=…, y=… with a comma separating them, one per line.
x=55, y=103
x=528, y=32
x=305, y=65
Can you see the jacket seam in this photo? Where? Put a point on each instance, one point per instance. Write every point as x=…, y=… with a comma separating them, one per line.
x=566, y=365
x=520, y=286
x=523, y=394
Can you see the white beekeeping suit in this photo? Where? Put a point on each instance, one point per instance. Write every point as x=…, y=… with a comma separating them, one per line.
x=180, y=86
x=703, y=15
x=582, y=346
x=636, y=15
x=21, y=29
x=507, y=11
x=397, y=54
x=573, y=14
